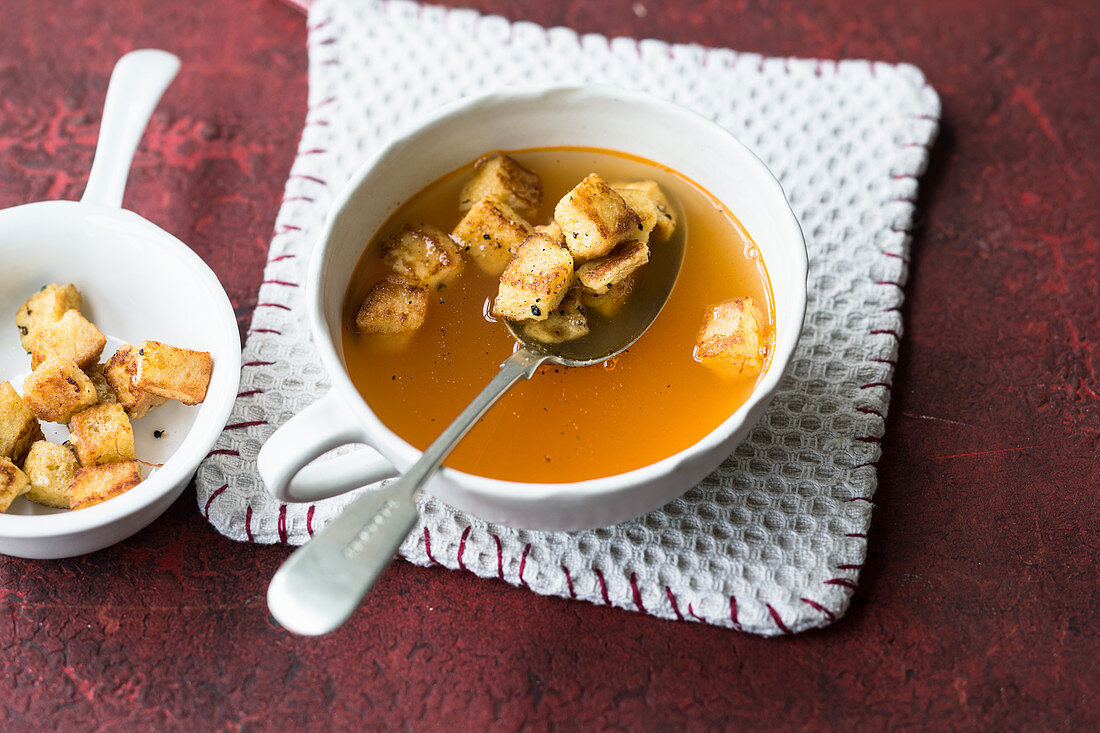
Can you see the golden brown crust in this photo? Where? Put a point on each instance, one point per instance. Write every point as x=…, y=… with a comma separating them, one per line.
x=595, y=218
x=57, y=389
x=732, y=338
x=120, y=372
x=43, y=308
x=423, y=254
x=500, y=178
x=50, y=468
x=102, y=434
x=173, y=372
x=490, y=233
x=608, y=304
x=72, y=337
x=393, y=305
x=535, y=280
x=13, y=483
x=566, y=322
x=18, y=425
x=96, y=484
x=653, y=206
x=599, y=275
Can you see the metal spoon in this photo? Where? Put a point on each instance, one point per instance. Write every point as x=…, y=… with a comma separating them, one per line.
x=324, y=581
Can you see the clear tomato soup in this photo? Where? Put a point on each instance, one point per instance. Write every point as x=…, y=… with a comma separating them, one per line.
x=563, y=425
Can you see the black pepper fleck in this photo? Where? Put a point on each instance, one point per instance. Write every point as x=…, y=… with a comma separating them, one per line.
x=535, y=311
x=23, y=330
x=486, y=236
x=158, y=434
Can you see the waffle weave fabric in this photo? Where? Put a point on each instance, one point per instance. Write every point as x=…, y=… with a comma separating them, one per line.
x=773, y=540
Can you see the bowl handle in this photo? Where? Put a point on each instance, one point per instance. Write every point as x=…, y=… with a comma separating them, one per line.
x=324, y=425
x=137, y=83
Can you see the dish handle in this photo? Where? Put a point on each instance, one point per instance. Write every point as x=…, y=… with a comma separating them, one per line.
x=284, y=461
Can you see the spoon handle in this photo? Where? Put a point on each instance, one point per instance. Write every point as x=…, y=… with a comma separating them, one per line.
x=137, y=83
x=322, y=583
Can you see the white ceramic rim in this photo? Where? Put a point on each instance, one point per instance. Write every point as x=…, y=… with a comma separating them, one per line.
x=195, y=447
x=506, y=491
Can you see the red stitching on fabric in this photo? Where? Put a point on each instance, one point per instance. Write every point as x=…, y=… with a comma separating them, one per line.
x=500, y=558
x=869, y=411
x=282, y=523
x=428, y=546
x=778, y=621
x=903, y=258
x=903, y=176
x=844, y=582
x=215, y=495
x=257, y=363
x=273, y=305
x=818, y=607
x=900, y=230
x=637, y=594
x=860, y=498
x=317, y=123
x=284, y=228
x=248, y=523
x=223, y=452
x=324, y=102
x=303, y=176
x=569, y=582
x=672, y=602
x=279, y=282
x=322, y=42
x=280, y=258
x=603, y=588
x=691, y=612
x=817, y=67
x=249, y=392
x=891, y=362
x=871, y=385
x=330, y=62
x=267, y=330
x=289, y=199
x=523, y=564
x=886, y=332
x=860, y=535
x=245, y=424
x=853, y=566
x=313, y=151
x=309, y=519
x=462, y=546
x=733, y=614
x=870, y=439
x=318, y=26
x=897, y=285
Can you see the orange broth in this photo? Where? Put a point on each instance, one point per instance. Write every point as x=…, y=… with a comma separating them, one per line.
x=563, y=425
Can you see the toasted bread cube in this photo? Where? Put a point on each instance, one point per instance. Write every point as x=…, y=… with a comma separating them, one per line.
x=732, y=338
x=103, y=392
x=72, y=337
x=566, y=322
x=535, y=280
x=13, y=483
x=50, y=468
x=503, y=179
x=57, y=390
x=102, y=434
x=490, y=233
x=595, y=218
x=18, y=426
x=609, y=304
x=96, y=484
x=597, y=276
x=552, y=230
x=394, y=306
x=173, y=372
x=423, y=254
x=120, y=372
x=657, y=206
x=43, y=308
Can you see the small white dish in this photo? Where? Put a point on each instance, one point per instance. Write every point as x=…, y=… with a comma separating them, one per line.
x=589, y=116
x=138, y=283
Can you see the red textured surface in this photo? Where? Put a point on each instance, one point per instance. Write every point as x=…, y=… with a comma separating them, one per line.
x=979, y=603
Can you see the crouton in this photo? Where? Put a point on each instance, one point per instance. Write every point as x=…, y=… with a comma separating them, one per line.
x=535, y=280
x=18, y=426
x=423, y=254
x=732, y=338
x=50, y=468
x=13, y=483
x=597, y=276
x=96, y=484
x=609, y=304
x=595, y=218
x=120, y=372
x=57, y=389
x=490, y=233
x=103, y=392
x=502, y=179
x=552, y=230
x=566, y=322
x=43, y=308
x=173, y=372
x=393, y=305
x=654, y=205
x=102, y=434
x=73, y=337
